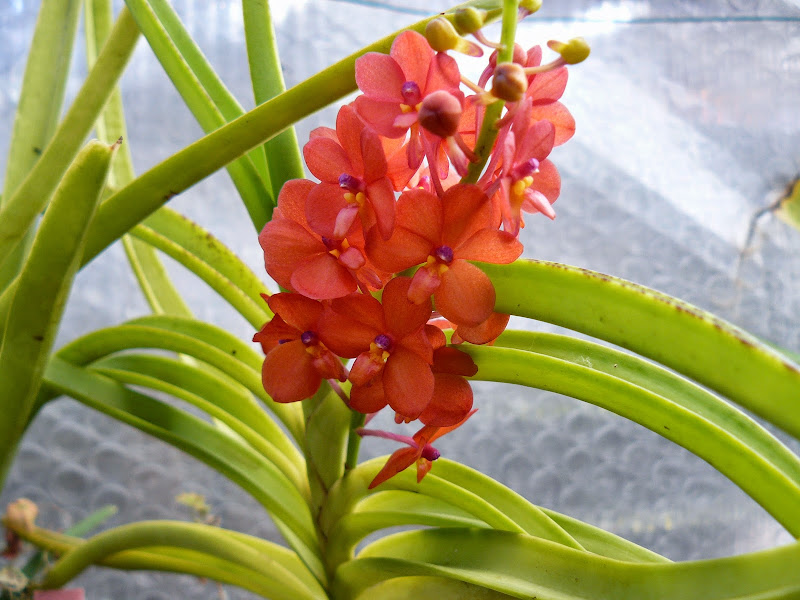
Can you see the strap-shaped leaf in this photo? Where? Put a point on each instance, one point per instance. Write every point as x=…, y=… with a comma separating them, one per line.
x=197, y=537
x=402, y=588
x=528, y=567
x=205, y=96
x=194, y=338
x=674, y=333
x=41, y=289
x=201, y=440
x=664, y=383
x=31, y=196
x=218, y=397
x=757, y=476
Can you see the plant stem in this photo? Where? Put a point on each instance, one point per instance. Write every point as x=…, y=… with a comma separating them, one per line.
x=488, y=134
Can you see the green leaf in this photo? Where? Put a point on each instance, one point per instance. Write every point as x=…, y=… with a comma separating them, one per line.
x=402, y=588
x=201, y=440
x=202, y=244
x=194, y=338
x=664, y=383
x=674, y=333
x=41, y=291
x=196, y=537
x=283, y=154
x=219, y=397
x=529, y=567
x=204, y=94
x=31, y=196
x=753, y=473
x=251, y=310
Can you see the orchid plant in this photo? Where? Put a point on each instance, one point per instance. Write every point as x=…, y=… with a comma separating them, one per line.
x=399, y=270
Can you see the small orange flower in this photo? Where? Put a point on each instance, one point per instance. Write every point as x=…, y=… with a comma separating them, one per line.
x=387, y=339
x=420, y=450
x=443, y=235
x=296, y=360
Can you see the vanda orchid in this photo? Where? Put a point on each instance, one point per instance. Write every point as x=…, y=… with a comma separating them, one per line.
x=393, y=238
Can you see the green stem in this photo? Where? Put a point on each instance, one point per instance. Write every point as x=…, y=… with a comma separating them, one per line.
x=152, y=189
x=354, y=440
x=488, y=133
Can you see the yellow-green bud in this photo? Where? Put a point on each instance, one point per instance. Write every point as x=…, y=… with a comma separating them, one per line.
x=469, y=20
x=441, y=35
x=509, y=82
x=574, y=51
x=530, y=5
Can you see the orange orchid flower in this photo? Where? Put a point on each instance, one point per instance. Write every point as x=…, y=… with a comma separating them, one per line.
x=387, y=339
x=304, y=262
x=296, y=360
x=442, y=235
x=419, y=450
x=353, y=173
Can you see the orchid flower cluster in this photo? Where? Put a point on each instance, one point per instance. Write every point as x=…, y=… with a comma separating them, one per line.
x=378, y=278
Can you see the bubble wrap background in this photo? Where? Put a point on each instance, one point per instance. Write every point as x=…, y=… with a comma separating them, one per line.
x=687, y=124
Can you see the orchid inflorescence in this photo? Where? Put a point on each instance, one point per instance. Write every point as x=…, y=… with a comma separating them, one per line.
x=379, y=278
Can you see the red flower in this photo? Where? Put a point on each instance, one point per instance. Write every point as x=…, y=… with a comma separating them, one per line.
x=527, y=182
x=394, y=87
x=296, y=360
x=351, y=166
x=393, y=354
x=544, y=90
x=419, y=451
x=443, y=235
x=302, y=261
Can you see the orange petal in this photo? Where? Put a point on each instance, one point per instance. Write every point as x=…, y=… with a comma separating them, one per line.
x=292, y=199
x=274, y=332
x=465, y=210
x=368, y=398
x=286, y=244
x=466, y=296
x=288, y=373
x=298, y=311
x=486, y=332
x=423, y=468
x=490, y=245
x=326, y=159
x=403, y=317
x=454, y=361
x=407, y=382
x=399, y=461
x=451, y=401
x=321, y=277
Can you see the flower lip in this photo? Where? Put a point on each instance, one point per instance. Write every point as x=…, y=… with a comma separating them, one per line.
x=444, y=254
x=351, y=183
x=383, y=341
x=411, y=93
x=308, y=338
x=529, y=167
x=430, y=453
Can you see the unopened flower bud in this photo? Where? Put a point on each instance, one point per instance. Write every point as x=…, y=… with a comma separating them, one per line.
x=442, y=36
x=574, y=51
x=21, y=515
x=440, y=113
x=530, y=6
x=469, y=20
x=509, y=82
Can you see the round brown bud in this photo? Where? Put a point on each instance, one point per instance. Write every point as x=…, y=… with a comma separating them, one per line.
x=509, y=82
x=440, y=113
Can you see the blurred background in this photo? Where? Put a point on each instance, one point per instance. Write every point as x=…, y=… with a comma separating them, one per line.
x=687, y=124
